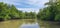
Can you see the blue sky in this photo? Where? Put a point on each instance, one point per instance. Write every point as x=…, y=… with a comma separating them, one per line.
x=27, y=5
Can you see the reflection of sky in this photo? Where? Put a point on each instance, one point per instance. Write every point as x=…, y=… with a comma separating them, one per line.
x=30, y=25
x=27, y=4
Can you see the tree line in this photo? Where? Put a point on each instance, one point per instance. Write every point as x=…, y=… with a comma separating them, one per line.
x=9, y=12
x=49, y=13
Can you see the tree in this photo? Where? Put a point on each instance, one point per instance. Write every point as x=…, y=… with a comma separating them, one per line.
x=8, y=12
x=50, y=12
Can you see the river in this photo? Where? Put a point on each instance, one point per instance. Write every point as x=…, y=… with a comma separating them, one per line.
x=33, y=25
x=29, y=24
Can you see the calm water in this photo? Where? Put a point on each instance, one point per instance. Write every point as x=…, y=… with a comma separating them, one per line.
x=28, y=25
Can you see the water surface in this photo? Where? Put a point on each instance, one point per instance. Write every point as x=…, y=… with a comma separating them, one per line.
x=30, y=25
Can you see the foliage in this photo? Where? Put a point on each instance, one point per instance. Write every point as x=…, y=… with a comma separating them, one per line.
x=8, y=12
x=52, y=12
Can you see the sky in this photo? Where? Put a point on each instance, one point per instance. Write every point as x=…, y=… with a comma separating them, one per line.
x=27, y=5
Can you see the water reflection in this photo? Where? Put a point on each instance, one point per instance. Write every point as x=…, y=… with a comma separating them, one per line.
x=28, y=25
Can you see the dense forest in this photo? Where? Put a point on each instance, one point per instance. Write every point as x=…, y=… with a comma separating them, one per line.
x=51, y=12
x=8, y=12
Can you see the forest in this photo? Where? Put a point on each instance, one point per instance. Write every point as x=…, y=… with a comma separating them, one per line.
x=8, y=12
x=49, y=13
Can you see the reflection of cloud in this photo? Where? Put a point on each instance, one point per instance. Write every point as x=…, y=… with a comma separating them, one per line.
x=29, y=9
x=28, y=25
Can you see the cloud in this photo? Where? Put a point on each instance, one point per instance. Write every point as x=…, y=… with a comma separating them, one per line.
x=29, y=9
x=10, y=2
x=26, y=3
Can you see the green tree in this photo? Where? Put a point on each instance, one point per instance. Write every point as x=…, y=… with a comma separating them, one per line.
x=49, y=13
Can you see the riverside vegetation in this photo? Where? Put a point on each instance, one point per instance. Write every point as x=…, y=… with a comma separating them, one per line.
x=49, y=13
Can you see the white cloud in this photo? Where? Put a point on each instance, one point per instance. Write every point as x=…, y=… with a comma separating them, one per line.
x=29, y=9
x=11, y=2
x=36, y=3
